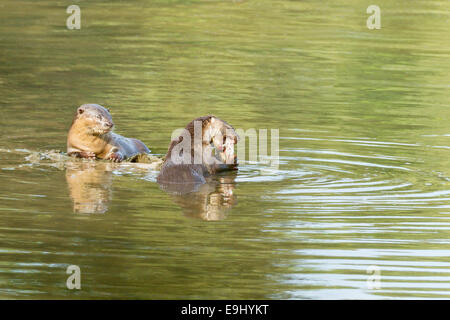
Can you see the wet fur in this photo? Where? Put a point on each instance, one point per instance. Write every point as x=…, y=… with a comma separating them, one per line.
x=194, y=173
x=91, y=136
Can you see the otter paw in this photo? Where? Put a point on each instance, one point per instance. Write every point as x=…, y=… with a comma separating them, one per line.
x=115, y=157
x=87, y=155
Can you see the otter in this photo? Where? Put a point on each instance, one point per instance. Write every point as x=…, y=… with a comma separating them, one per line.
x=189, y=159
x=90, y=136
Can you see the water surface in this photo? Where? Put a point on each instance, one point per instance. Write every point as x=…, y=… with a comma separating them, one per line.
x=364, y=175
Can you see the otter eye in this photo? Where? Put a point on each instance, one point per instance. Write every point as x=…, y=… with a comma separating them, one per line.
x=80, y=111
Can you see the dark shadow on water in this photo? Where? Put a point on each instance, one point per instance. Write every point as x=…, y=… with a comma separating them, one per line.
x=209, y=201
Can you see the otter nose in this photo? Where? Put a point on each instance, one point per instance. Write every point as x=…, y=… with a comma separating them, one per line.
x=109, y=124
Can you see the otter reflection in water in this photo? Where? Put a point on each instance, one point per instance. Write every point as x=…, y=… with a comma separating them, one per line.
x=208, y=201
x=90, y=182
x=89, y=185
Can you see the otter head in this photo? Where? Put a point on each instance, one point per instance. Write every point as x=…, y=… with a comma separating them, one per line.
x=94, y=118
x=222, y=137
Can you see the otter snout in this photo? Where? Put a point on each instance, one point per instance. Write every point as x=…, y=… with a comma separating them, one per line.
x=108, y=125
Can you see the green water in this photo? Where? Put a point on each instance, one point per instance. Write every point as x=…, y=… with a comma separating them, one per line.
x=364, y=175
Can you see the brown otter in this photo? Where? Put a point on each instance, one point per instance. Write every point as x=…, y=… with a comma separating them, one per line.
x=91, y=136
x=189, y=158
